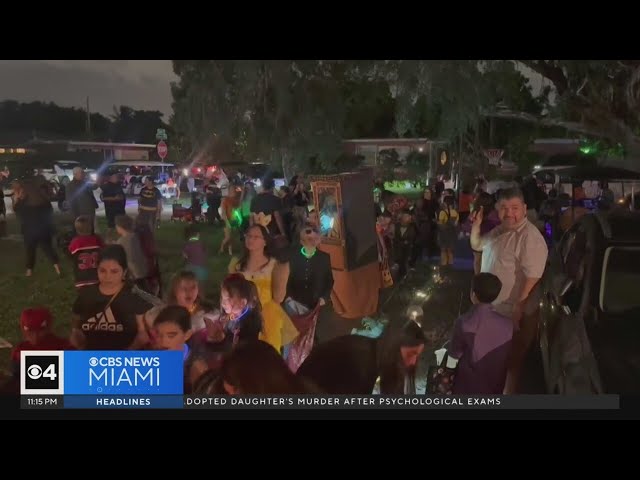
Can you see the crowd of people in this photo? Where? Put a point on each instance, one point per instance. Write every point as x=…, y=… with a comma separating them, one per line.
x=424, y=229
x=510, y=253
x=253, y=339
x=510, y=232
x=260, y=335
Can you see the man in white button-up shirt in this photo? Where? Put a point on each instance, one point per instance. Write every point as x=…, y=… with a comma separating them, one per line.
x=516, y=253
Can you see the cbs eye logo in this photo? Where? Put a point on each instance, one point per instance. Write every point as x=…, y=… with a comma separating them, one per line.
x=35, y=372
x=41, y=372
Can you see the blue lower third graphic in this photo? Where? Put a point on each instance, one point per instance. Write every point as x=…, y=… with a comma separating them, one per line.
x=123, y=373
x=123, y=401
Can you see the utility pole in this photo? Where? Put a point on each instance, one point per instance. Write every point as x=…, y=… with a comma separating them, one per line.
x=459, y=180
x=430, y=175
x=88, y=119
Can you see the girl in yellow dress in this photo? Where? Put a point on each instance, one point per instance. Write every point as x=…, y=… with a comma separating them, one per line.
x=258, y=266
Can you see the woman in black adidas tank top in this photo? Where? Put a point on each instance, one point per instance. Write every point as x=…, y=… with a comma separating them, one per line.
x=110, y=315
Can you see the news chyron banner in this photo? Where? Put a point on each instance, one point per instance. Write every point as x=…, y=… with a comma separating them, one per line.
x=155, y=379
x=101, y=379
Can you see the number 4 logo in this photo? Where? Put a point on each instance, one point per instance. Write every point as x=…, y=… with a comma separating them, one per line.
x=50, y=372
x=41, y=372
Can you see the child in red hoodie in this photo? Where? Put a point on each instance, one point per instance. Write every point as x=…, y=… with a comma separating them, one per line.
x=36, y=324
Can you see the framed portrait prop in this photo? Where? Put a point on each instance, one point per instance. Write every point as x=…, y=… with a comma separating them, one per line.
x=346, y=216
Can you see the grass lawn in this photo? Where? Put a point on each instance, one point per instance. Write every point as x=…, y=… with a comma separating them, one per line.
x=45, y=288
x=411, y=193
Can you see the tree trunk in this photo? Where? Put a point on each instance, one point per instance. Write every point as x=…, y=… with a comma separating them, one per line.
x=459, y=180
x=265, y=89
x=476, y=145
x=491, y=131
x=284, y=157
x=432, y=169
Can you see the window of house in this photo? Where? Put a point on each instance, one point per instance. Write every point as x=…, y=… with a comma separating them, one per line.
x=369, y=153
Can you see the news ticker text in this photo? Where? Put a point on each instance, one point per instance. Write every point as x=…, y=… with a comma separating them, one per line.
x=324, y=402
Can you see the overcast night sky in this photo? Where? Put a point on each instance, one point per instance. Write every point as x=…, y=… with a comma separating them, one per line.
x=140, y=84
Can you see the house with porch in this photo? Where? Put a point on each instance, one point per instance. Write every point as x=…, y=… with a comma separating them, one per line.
x=371, y=148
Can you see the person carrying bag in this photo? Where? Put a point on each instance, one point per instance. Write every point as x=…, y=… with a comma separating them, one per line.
x=442, y=375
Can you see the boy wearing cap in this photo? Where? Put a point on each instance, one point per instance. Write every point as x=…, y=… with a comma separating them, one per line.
x=36, y=324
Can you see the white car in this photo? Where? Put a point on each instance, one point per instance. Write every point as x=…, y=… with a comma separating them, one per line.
x=62, y=172
x=135, y=173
